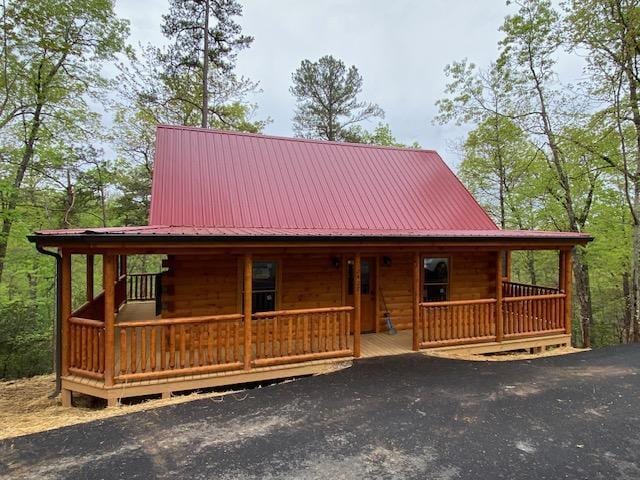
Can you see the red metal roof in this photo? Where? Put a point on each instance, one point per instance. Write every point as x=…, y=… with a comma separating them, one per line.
x=215, y=184
x=210, y=178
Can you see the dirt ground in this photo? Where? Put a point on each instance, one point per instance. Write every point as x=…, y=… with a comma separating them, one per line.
x=25, y=406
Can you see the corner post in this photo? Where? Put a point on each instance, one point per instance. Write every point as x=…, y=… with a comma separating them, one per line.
x=65, y=309
x=416, y=301
x=357, y=297
x=109, y=284
x=567, y=287
x=499, y=322
x=247, y=308
x=90, y=265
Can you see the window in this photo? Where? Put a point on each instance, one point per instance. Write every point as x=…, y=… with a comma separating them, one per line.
x=436, y=279
x=264, y=286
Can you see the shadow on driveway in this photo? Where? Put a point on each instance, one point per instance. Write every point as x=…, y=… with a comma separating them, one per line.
x=409, y=416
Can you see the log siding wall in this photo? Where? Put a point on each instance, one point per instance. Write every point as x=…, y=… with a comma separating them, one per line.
x=210, y=285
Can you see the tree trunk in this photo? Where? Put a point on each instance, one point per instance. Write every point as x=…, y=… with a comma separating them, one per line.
x=27, y=156
x=635, y=283
x=583, y=294
x=205, y=68
x=627, y=327
x=531, y=267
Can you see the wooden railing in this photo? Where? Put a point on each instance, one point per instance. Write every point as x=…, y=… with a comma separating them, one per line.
x=514, y=289
x=141, y=286
x=178, y=346
x=93, y=310
x=86, y=347
x=291, y=336
x=456, y=322
x=534, y=315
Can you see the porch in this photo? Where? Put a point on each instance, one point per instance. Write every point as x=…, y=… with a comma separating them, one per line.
x=119, y=344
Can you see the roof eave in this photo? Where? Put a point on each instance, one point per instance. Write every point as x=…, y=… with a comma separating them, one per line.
x=88, y=238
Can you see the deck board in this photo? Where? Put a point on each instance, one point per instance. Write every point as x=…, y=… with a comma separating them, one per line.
x=383, y=344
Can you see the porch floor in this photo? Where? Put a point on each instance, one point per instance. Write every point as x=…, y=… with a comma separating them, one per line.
x=132, y=311
x=383, y=345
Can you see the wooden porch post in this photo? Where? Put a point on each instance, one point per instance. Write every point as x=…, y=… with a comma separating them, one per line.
x=416, y=301
x=109, y=283
x=356, y=304
x=248, y=307
x=65, y=310
x=89, y=277
x=567, y=287
x=499, y=323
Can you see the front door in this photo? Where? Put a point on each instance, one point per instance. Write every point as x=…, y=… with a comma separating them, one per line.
x=367, y=290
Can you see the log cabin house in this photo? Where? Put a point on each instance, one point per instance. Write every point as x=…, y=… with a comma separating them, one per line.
x=281, y=255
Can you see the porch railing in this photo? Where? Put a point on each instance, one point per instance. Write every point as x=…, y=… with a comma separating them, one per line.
x=534, y=315
x=474, y=321
x=290, y=336
x=514, y=289
x=450, y=323
x=178, y=346
x=86, y=348
x=141, y=286
x=173, y=347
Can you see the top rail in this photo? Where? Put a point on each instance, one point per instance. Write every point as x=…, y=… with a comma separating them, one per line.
x=533, y=297
x=179, y=320
x=480, y=301
x=282, y=313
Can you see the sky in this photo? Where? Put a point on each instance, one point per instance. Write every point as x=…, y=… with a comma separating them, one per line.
x=400, y=47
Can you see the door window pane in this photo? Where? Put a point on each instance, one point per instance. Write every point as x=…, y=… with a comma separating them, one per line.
x=365, y=277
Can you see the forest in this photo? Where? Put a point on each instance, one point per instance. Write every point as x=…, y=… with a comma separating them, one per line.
x=542, y=152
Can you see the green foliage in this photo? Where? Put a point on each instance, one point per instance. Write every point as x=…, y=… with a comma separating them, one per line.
x=381, y=135
x=327, y=93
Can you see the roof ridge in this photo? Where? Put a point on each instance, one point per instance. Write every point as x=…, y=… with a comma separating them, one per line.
x=293, y=139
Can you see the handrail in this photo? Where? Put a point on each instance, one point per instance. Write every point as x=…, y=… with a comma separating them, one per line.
x=533, y=297
x=520, y=284
x=480, y=301
x=302, y=311
x=86, y=322
x=179, y=320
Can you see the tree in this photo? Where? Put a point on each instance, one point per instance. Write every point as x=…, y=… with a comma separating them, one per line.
x=610, y=32
x=381, y=135
x=152, y=92
x=56, y=50
x=529, y=48
x=206, y=41
x=327, y=93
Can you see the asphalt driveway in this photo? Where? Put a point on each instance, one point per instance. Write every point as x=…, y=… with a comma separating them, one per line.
x=410, y=416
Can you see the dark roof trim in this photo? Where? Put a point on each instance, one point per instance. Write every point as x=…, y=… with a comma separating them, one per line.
x=88, y=238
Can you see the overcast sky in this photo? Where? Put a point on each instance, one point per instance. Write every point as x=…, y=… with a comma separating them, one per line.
x=400, y=47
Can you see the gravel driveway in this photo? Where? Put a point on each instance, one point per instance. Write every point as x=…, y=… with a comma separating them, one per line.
x=410, y=416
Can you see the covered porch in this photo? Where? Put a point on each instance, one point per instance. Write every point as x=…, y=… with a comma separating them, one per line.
x=127, y=342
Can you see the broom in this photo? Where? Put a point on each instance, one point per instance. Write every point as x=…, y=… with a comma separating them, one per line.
x=387, y=316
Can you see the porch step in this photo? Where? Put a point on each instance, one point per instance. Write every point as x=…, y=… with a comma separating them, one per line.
x=505, y=346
